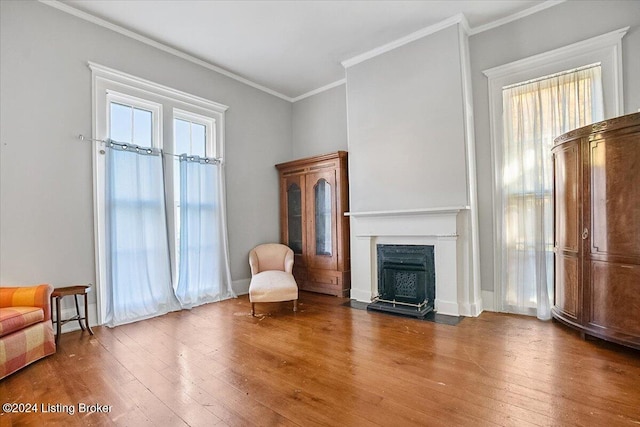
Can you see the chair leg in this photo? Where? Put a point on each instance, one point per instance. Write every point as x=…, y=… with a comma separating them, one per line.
x=295, y=305
x=253, y=308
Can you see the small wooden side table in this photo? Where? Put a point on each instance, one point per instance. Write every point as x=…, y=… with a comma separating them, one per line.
x=58, y=294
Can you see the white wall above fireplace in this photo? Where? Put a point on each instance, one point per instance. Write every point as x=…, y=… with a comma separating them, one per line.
x=447, y=229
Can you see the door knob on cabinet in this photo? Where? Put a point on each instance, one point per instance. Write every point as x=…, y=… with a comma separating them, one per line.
x=585, y=233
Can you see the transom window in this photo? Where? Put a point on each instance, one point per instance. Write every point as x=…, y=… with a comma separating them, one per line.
x=194, y=134
x=133, y=120
x=130, y=124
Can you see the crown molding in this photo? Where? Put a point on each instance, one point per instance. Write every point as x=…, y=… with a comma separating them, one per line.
x=530, y=11
x=320, y=90
x=456, y=19
x=148, y=41
x=464, y=24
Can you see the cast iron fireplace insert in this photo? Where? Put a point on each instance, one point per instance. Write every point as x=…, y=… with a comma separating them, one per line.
x=406, y=280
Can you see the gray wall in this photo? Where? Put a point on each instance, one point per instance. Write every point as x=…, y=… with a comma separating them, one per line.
x=46, y=196
x=46, y=207
x=406, y=127
x=320, y=123
x=561, y=25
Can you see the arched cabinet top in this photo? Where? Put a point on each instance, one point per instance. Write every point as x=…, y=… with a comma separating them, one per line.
x=599, y=127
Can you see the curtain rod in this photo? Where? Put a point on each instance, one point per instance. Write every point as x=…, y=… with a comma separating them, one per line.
x=162, y=152
x=550, y=76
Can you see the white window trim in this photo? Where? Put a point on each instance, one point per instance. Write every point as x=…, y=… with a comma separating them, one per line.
x=108, y=83
x=605, y=49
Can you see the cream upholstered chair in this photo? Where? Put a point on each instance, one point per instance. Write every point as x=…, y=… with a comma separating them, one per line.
x=271, y=275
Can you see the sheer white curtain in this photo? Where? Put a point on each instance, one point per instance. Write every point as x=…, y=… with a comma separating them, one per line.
x=203, y=272
x=534, y=113
x=138, y=268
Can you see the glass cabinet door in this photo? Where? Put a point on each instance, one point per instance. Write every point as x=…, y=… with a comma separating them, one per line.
x=321, y=212
x=322, y=196
x=294, y=218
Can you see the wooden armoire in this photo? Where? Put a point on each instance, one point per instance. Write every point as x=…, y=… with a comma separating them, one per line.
x=597, y=229
x=314, y=195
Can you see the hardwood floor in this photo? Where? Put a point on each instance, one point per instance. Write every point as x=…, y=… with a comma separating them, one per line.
x=329, y=364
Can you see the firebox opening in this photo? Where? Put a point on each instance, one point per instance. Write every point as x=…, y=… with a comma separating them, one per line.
x=406, y=280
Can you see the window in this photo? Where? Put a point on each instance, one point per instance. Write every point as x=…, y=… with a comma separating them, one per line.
x=193, y=135
x=534, y=113
x=130, y=124
x=135, y=122
x=135, y=113
x=604, y=50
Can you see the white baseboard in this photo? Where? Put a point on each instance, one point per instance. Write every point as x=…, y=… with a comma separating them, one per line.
x=488, y=301
x=241, y=287
x=361, y=296
x=472, y=310
x=450, y=308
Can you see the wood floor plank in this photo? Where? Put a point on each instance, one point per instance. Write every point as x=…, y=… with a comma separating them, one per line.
x=303, y=367
x=418, y=386
x=329, y=364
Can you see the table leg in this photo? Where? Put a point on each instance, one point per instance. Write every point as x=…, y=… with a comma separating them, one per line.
x=75, y=299
x=58, y=323
x=53, y=323
x=86, y=314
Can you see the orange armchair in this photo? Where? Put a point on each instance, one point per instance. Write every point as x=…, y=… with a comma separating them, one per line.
x=26, y=332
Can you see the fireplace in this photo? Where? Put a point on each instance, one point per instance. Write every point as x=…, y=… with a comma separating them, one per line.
x=406, y=279
x=447, y=229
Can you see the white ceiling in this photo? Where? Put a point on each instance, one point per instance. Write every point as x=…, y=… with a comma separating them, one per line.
x=290, y=47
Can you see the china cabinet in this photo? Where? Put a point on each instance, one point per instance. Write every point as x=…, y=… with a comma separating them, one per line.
x=314, y=195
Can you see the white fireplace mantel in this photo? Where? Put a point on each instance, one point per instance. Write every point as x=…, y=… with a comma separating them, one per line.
x=445, y=228
x=407, y=212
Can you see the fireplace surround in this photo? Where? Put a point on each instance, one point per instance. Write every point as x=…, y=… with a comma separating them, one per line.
x=447, y=229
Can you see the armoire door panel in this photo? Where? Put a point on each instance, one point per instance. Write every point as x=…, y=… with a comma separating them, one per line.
x=567, y=200
x=567, y=296
x=615, y=196
x=615, y=296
